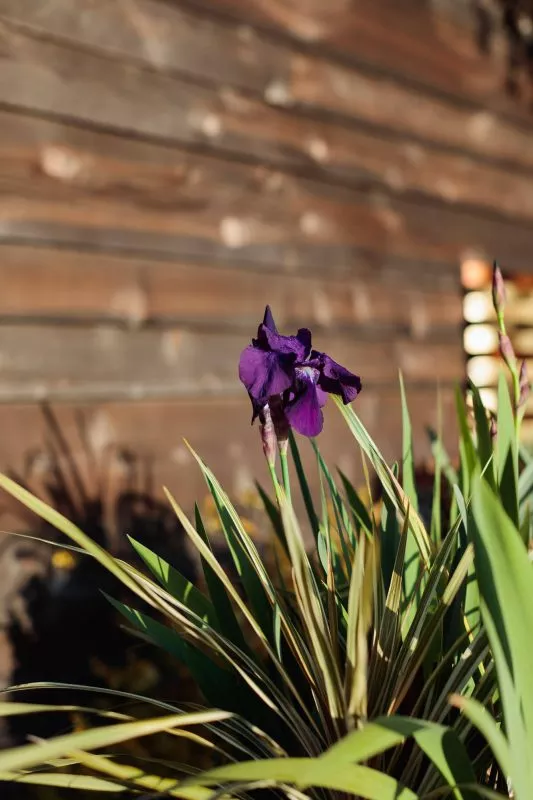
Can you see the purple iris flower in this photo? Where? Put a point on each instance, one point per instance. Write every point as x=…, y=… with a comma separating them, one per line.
x=276, y=366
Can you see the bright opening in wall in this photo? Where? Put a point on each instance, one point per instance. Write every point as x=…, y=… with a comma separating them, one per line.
x=481, y=332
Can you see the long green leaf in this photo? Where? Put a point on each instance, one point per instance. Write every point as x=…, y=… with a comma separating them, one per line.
x=408, y=461
x=218, y=685
x=70, y=530
x=438, y=459
x=304, y=485
x=248, y=562
x=440, y=744
x=175, y=583
x=12, y=709
x=525, y=483
x=273, y=514
x=313, y=614
x=466, y=445
x=357, y=506
x=359, y=618
x=388, y=481
x=342, y=515
x=339, y=767
x=390, y=539
x=487, y=726
x=506, y=588
x=388, y=639
x=61, y=780
x=507, y=452
x=136, y=778
x=218, y=591
x=472, y=614
x=303, y=773
x=484, y=440
x=272, y=697
x=31, y=755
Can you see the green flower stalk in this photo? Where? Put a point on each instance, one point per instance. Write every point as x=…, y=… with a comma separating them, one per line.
x=499, y=296
x=507, y=351
x=524, y=385
x=281, y=428
x=519, y=378
x=268, y=436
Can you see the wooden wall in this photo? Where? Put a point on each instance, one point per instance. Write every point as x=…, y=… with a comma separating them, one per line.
x=167, y=168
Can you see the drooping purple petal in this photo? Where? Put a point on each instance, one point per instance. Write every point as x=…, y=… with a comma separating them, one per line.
x=303, y=412
x=334, y=378
x=265, y=373
x=322, y=396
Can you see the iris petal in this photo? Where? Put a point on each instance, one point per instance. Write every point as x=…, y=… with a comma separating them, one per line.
x=285, y=369
x=264, y=373
x=303, y=412
x=334, y=378
x=322, y=396
x=298, y=346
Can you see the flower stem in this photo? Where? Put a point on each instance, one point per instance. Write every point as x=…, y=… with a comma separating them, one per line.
x=283, y=457
x=275, y=482
x=507, y=352
x=517, y=416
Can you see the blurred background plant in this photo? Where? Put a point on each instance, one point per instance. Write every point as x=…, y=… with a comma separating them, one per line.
x=58, y=625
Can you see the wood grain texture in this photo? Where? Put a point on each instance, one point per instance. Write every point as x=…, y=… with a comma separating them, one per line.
x=39, y=362
x=256, y=217
x=322, y=150
x=69, y=285
x=46, y=76
x=247, y=43
x=432, y=45
x=163, y=35
x=108, y=193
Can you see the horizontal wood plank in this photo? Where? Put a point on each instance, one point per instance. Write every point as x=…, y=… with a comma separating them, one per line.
x=110, y=92
x=163, y=35
x=39, y=362
x=104, y=192
x=431, y=45
x=255, y=217
x=221, y=43
x=322, y=150
x=42, y=283
x=219, y=430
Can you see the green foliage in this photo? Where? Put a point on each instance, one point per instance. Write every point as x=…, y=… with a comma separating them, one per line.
x=504, y=576
x=336, y=672
x=319, y=665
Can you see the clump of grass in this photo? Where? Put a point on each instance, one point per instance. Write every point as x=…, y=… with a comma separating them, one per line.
x=336, y=669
